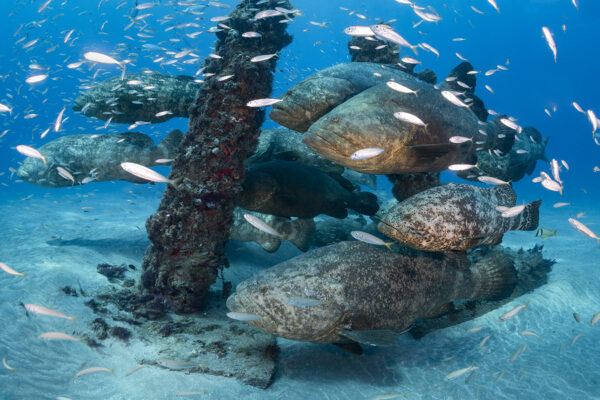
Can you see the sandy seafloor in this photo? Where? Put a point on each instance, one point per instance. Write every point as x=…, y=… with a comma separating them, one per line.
x=112, y=231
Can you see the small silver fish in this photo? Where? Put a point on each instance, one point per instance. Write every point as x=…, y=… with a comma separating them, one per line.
x=368, y=238
x=364, y=154
x=410, y=118
x=303, y=302
x=514, y=312
x=241, y=316
x=583, y=229
x=262, y=102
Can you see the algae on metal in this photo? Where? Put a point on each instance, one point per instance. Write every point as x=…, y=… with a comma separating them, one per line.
x=192, y=224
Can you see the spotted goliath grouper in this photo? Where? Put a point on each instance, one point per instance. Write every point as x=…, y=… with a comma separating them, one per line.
x=139, y=97
x=97, y=158
x=456, y=217
x=353, y=292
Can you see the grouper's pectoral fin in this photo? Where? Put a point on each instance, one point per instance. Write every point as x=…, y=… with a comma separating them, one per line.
x=352, y=347
x=429, y=153
x=439, y=311
x=372, y=338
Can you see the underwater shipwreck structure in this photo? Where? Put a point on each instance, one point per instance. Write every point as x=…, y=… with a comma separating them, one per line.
x=191, y=226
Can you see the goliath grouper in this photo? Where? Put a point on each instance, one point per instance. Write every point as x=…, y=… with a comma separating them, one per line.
x=356, y=292
x=290, y=189
x=424, y=144
x=97, y=158
x=139, y=97
x=456, y=217
x=306, y=102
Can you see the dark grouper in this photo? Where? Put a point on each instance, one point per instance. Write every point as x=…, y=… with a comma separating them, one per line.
x=139, y=97
x=290, y=189
x=456, y=217
x=353, y=291
x=96, y=157
x=367, y=121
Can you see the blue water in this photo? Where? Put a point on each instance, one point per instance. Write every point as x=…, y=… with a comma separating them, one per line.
x=532, y=83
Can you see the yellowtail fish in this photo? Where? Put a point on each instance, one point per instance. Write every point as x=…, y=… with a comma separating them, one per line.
x=460, y=372
x=460, y=139
x=575, y=339
x=400, y=88
x=65, y=174
x=451, y=97
x=36, y=78
x=5, y=108
x=163, y=113
x=262, y=102
x=264, y=57
x=475, y=329
x=145, y=173
x=510, y=212
x=75, y=65
x=561, y=204
x=529, y=333
x=303, y=302
x=92, y=370
x=9, y=270
x=385, y=32
x=484, y=341
x=490, y=180
x=364, y=154
x=545, y=233
x=57, y=335
x=595, y=319
x=174, y=364
x=410, y=118
x=5, y=364
x=550, y=40
x=519, y=351
x=30, y=152
x=251, y=34
x=368, y=238
x=359, y=31
x=41, y=310
x=578, y=107
x=100, y=58
x=461, y=167
x=489, y=88
x=493, y=3
x=242, y=316
x=135, y=369
x=552, y=185
x=514, y=312
x=583, y=229
x=262, y=226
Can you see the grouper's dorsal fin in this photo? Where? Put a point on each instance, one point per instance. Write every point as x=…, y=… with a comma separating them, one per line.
x=460, y=73
x=372, y=338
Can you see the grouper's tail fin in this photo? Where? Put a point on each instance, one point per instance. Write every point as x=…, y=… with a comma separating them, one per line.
x=365, y=203
x=462, y=80
x=167, y=148
x=300, y=232
x=495, y=277
x=503, y=137
x=529, y=219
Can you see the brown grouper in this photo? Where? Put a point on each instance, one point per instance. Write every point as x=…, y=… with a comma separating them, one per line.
x=456, y=217
x=368, y=120
x=356, y=292
x=291, y=189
